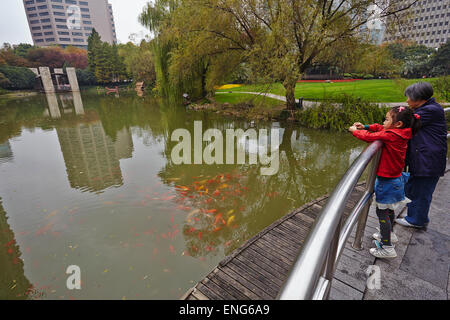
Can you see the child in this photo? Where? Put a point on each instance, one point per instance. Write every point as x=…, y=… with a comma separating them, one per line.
x=400, y=125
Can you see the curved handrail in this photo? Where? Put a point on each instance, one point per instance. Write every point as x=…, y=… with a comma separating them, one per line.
x=311, y=275
x=325, y=242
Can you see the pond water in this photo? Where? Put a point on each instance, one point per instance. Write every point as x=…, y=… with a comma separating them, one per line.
x=88, y=180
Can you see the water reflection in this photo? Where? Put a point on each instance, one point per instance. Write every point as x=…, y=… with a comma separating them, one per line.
x=13, y=282
x=126, y=210
x=6, y=153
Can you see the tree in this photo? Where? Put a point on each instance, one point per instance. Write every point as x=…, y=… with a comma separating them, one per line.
x=104, y=64
x=94, y=47
x=378, y=61
x=440, y=61
x=52, y=57
x=278, y=39
x=22, y=49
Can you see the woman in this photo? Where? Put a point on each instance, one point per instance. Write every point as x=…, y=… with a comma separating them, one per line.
x=426, y=154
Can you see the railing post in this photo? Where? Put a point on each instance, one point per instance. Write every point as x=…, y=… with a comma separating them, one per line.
x=331, y=259
x=357, y=243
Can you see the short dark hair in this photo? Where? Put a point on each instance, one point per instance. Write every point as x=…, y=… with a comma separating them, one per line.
x=419, y=91
x=406, y=115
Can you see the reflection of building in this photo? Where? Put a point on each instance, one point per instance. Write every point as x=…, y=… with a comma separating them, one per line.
x=92, y=157
x=5, y=151
x=13, y=283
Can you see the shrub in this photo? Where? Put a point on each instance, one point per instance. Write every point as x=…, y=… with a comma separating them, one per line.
x=442, y=87
x=340, y=114
x=368, y=77
x=348, y=75
x=85, y=77
x=4, y=82
x=18, y=77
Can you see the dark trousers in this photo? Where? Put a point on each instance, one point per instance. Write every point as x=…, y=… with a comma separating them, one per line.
x=386, y=218
x=420, y=191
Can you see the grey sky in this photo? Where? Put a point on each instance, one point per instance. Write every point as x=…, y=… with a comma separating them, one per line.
x=14, y=26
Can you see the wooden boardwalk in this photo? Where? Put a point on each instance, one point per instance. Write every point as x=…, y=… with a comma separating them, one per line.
x=258, y=268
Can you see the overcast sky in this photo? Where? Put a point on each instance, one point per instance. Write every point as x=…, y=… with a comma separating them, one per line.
x=14, y=26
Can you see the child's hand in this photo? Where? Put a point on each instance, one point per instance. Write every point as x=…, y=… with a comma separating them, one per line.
x=358, y=125
x=352, y=128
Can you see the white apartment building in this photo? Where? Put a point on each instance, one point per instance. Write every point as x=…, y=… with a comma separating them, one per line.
x=428, y=23
x=69, y=22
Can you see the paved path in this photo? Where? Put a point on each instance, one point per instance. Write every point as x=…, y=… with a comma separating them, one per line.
x=421, y=270
x=309, y=104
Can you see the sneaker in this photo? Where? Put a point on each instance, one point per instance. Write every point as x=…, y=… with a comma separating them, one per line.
x=403, y=222
x=377, y=236
x=383, y=251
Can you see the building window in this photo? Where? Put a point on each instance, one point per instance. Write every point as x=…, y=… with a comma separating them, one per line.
x=60, y=26
x=84, y=9
x=50, y=39
x=78, y=40
x=87, y=34
x=45, y=20
x=34, y=21
x=37, y=34
x=31, y=9
x=43, y=13
x=29, y=2
x=88, y=28
x=32, y=15
x=87, y=22
x=35, y=28
x=84, y=3
x=39, y=40
x=77, y=33
x=42, y=7
x=58, y=1
x=63, y=33
x=40, y=1
x=64, y=39
x=60, y=20
x=86, y=16
x=57, y=13
x=71, y=2
x=48, y=33
x=47, y=27
x=57, y=6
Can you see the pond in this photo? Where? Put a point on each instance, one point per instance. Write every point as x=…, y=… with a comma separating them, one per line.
x=89, y=180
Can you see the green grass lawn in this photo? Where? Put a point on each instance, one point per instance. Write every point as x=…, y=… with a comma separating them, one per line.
x=234, y=98
x=385, y=90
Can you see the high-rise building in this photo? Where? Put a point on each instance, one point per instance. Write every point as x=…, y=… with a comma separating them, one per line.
x=428, y=23
x=69, y=22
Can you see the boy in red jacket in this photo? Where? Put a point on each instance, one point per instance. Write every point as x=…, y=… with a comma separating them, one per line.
x=400, y=125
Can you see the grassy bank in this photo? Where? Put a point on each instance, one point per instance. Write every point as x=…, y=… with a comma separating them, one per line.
x=384, y=90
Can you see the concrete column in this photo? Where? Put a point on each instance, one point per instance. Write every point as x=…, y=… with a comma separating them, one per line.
x=53, y=106
x=78, y=103
x=46, y=78
x=72, y=76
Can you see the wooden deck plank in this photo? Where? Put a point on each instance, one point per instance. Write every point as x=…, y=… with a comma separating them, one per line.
x=226, y=285
x=258, y=268
x=264, y=284
x=278, y=261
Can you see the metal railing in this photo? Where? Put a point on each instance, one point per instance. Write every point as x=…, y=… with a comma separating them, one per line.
x=311, y=275
x=313, y=271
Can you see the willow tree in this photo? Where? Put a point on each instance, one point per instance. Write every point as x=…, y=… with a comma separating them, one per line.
x=156, y=17
x=279, y=39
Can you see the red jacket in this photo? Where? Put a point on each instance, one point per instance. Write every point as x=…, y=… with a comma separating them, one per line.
x=393, y=154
